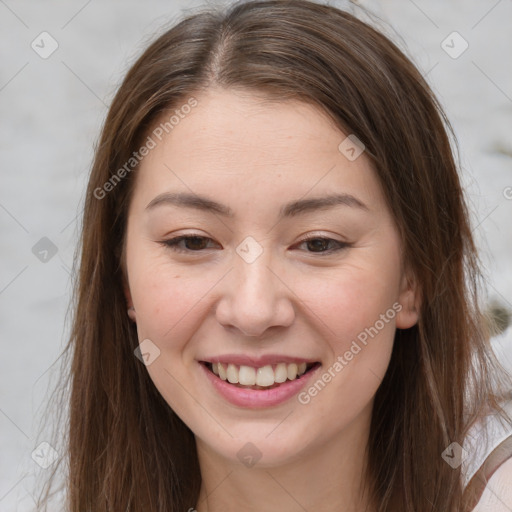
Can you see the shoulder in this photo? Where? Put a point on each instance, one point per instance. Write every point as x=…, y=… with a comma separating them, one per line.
x=497, y=496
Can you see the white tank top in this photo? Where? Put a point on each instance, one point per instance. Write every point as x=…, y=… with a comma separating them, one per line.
x=487, y=446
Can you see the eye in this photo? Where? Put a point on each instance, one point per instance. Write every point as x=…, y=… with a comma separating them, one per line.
x=191, y=243
x=322, y=245
x=197, y=243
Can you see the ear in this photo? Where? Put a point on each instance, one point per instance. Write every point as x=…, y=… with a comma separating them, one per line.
x=410, y=300
x=129, y=302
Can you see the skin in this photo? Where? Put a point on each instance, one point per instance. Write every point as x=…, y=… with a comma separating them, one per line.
x=254, y=156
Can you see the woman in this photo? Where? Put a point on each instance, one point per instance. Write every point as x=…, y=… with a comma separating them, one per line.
x=277, y=299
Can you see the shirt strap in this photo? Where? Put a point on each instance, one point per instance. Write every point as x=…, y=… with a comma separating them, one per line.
x=476, y=486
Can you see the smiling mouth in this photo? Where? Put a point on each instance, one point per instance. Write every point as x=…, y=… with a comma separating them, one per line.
x=265, y=377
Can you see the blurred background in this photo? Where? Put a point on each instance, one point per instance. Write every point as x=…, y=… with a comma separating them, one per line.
x=61, y=62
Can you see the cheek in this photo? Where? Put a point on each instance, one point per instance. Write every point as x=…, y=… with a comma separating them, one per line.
x=168, y=305
x=167, y=298
x=355, y=317
x=349, y=303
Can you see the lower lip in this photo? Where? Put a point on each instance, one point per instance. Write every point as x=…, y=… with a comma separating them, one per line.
x=257, y=398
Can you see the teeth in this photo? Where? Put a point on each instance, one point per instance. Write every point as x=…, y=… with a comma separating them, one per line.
x=232, y=374
x=292, y=371
x=247, y=375
x=265, y=376
x=281, y=373
x=222, y=372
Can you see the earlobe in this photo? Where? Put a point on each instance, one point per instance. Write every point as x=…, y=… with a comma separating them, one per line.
x=131, y=313
x=410, y=301
x=131, y=310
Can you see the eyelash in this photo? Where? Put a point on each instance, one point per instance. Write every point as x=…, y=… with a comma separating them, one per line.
x=172, y=243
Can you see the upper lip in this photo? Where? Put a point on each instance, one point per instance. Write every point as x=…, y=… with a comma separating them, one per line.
x=256, y=361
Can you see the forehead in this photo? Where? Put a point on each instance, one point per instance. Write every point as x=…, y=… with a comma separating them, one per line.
x=231, y=122
x=243, y=147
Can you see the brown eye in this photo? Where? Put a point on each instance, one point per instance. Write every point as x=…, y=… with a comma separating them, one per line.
x=318, y=244
x=196, y=243
x=188, y=243
x=323, y=245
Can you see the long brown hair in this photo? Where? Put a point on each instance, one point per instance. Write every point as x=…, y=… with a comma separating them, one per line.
x=125, y=447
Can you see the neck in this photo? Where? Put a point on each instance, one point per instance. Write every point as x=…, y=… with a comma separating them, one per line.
x=328, y=477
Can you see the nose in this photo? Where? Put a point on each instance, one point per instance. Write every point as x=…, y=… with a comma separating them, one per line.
x=255, y=297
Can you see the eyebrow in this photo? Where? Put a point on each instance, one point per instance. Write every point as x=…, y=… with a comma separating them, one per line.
x=291, y=209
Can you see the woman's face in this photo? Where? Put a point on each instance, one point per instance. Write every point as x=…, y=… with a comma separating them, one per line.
x=249, y=182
